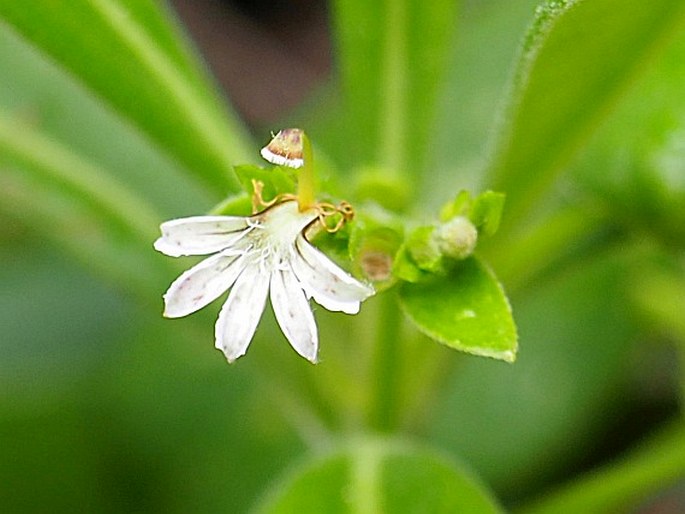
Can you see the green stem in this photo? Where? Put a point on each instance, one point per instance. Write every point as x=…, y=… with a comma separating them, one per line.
x=306, y=179
x=393, y=108
x=385, y=364
x=433, y=366
x=624, y=484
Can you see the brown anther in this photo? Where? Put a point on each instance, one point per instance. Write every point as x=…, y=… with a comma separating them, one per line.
x=326, y=210
x=346, y=210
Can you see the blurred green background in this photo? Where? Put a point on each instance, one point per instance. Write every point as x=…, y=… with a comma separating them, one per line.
x=106, y=407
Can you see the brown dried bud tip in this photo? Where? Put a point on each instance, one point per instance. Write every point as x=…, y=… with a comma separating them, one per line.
x=376, y=265
x=285, y=149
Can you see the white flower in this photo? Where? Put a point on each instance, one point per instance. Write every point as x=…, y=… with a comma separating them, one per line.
x=256, y=255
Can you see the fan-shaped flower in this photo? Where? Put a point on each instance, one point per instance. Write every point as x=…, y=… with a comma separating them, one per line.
x=255, y=256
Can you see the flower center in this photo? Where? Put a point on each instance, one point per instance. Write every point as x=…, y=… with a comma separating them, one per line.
x=274, y=231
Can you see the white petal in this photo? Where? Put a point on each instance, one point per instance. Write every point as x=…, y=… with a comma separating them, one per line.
x=202, y=284
x=294, y=314
x=325, y=281
x=200, y=235
x=240, y=314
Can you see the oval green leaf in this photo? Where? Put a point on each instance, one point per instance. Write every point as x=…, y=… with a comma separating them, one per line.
x=371, y=476
x=465, y=309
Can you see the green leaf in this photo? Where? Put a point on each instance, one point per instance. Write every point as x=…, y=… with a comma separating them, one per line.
x=375, y=477
x=130, y=56
x=49, y=100
x=67, y=198
x=466, y=310
x=90, y=238
x=51, y=161
x=478, y=72
x=643, y=173
x=578, y=58
x=391, y=92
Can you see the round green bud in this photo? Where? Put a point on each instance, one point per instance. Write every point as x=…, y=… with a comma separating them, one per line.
x=456, y=238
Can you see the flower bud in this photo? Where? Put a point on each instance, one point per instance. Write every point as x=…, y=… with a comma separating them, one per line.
x=456, y=238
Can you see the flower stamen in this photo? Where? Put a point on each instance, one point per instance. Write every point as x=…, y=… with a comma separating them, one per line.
x=258, y=202
x=325, y=210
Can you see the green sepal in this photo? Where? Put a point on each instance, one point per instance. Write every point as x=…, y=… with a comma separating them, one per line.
x=465, y=309
x=423, y=249
x=460, y=206
x=277, y=180
x=374, y=242
x=418, y=257
x=484, y=211
x=404, y=267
